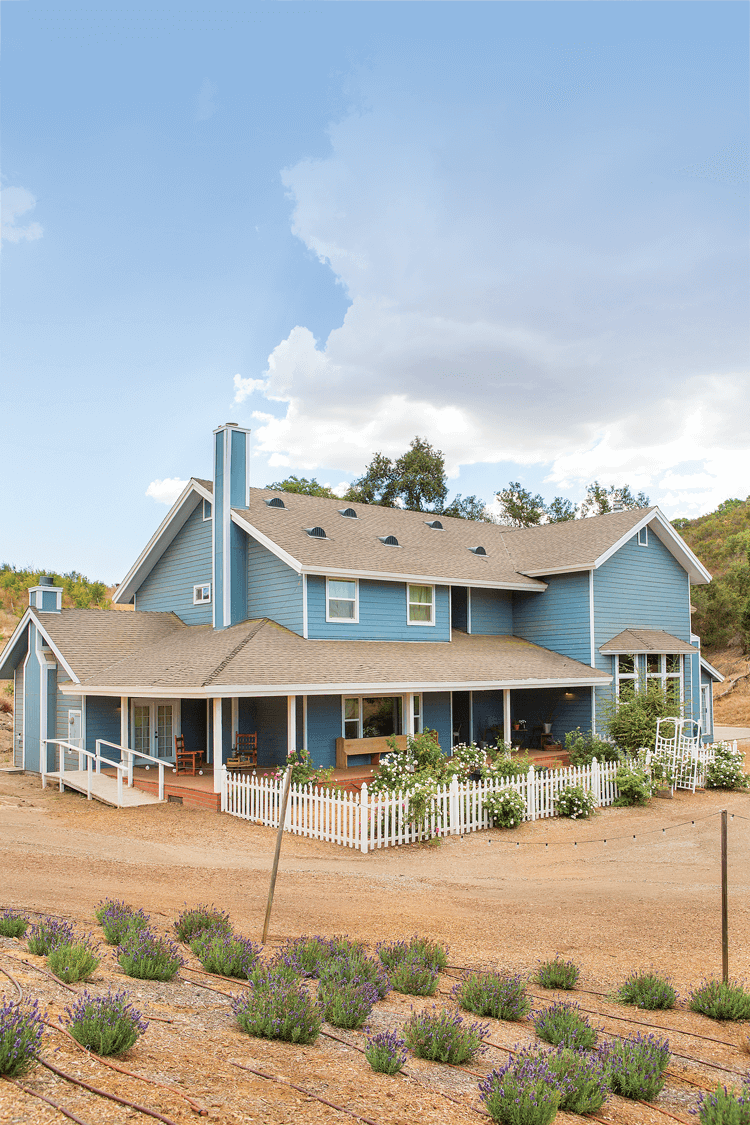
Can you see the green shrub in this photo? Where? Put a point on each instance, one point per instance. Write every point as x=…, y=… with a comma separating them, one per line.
x=635, y=784
x=198, y=918
x=20, y=1037
x=501, y=996
x=506, y=765
x=385, y=1052
x=277, y=1009
x=583, y=748
x=727, y=770
x=12, y=924
x=347, y=1003
x=73, y=962
x=145, y=956
x=721, y=1001
x=443, y=1036
x=48, y=934
x=635, y=1067
x=224, y=953
x=725, y=1107
x=557, y=974
x=563, y=1024
x=575, y=802
x=307, y=954
x=631, y=722
x=507, y=808
x=415, y=978
x=117, y=919
x=583, y=1077
x=648, y=991
x=106, y=1025
x=417, y=949
x=358, y=967
x=525, y=1092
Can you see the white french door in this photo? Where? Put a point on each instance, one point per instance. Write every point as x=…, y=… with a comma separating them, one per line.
x=154, y=723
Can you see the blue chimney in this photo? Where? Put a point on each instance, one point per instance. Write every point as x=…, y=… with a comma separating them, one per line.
x=231, y=482
x=46, y=596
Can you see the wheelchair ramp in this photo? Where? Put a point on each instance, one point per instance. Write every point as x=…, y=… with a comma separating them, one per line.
x=104, y=789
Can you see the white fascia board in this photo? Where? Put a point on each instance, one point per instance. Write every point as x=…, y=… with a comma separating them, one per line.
x=58, y=655
x=377, y=687
x=662, y=528
x=15, y=637
x=560, y=570
x=172, y=523
x=266, y=542
x=714, y=672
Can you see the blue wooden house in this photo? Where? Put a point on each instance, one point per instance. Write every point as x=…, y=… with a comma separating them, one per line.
x=318, y=624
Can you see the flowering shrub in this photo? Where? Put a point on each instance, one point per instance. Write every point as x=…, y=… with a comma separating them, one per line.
x=583, y=1078
x=721, y=1001
x=146, y=956
x=107, y=1025
x=563, y=1024
x=466, y=760
x=48, y=934
x=507, y=808
x=12, y=924
x=385, y=1052
x=279, y=969
x=724, y=1107
x=504, y=764
x=73, y=961
x=347, y=1003
x=197, y=918
x=575, y=802
x=557, y=974
x=20, y=1037
x=415, y=977
x=417, y=949
x=493, y=994
x=727, y=770
x=221, y=952
x=525, y=1092
x=304, y=772
x=277, y=1009
x=583, y=748
x=117, y=918
x=649, y=991
x=635, y=1067
x=443, y=1036
x=306, y=954
x=635, y=783
x=357, y=967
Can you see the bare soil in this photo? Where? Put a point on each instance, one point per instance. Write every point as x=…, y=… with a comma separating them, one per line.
x=648, y=897
x=732, y=698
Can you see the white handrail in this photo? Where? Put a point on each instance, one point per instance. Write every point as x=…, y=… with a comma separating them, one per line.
x=90, y=756
x=130, y=754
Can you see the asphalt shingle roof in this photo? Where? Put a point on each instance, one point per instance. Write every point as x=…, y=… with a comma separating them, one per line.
x=646, y=640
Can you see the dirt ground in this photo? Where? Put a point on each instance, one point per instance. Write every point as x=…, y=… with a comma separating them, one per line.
x=648, y=897
x=732, y=697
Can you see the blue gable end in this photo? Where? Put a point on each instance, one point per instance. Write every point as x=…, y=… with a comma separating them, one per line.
x=273, y=589
x=491, y=611
x=382, y=614
x=185, y=563
x=557, y=619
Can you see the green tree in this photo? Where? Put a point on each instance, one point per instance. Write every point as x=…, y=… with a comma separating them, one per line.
x=303, y=487
x=468, y=508
x=560, y=510
x=518, y=507
x=415, y=480
x=599, y=500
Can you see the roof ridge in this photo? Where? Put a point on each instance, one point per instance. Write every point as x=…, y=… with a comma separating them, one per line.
x=237, y=649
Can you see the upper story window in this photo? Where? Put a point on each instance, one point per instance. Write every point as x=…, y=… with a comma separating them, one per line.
x=207, y=509
x=643, y=537
x=342, y=601
x=202, y=593
x=421, y=601
x=666, y=670
x=626, y=675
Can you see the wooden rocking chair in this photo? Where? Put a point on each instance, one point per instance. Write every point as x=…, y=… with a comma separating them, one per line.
x=186, y=761
x=245, y=753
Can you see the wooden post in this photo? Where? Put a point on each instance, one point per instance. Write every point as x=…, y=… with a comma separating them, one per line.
x=277, y=853
x=724, y=901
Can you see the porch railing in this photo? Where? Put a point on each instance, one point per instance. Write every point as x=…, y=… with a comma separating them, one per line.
x=130, y=754
x=91, y=759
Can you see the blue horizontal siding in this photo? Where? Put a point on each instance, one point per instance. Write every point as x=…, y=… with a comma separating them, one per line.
x=185, y=563
x=492, y=612
x=436, y=706
x=103, y=721
x=273, y=589
x=323, y=728
x=382, y=614
x=557, y=619
x=266, y=717
x=487, y=711
x=64, y=704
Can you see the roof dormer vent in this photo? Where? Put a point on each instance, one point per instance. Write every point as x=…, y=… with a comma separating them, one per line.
x=435, y=525
x=316, y=532
x=477, y=550
x=349, y=513
x=275, y=502
x=389, y=540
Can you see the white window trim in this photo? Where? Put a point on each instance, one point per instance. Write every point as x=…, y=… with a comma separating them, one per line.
x=154, y=704
x=202, y=586
x=360, y=698
x=211, y=506
x=626, y=677
x=429, y=623
x=642, y=542
x=344, y=620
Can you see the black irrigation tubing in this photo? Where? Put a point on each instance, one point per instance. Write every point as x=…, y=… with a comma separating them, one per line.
x=608, y=839
x=307, y=1093
x=13, y=981
x=105, y=1093
x=217, y=976
x=50, y=1101
x=199, y=1109
x=46, y=973
x=197, y=984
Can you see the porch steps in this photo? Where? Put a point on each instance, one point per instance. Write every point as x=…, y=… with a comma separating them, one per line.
x=180, y=794
x=104, y=789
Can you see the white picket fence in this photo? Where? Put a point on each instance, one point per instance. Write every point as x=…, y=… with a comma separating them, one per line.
x=368, y=821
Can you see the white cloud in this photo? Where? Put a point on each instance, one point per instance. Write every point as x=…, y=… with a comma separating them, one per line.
x=243, y=388
x=205, y=104
x=15, y=201
x=166, y=491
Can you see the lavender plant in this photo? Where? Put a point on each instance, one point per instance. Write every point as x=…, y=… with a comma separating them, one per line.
x=307, y=954
x=648, y=991
x=195, y=919
x=721, y=1001
x=635, y=1067
x=417, y=948
x=385, y=1052
x=563, y=1024
x=275, y=1009
x=20, y=1037
x=106, y=1025
x=347, y=1003
x=49, y=933
x=525, y=1092
x=73, y=961
x=144, y=955
x=415, y=978
x=118, y=918
x=12, y=924
x=583, y=1078
x=443, y=1036
x=361, y=967
x=221, y=952
x=557, y=974
x=493, y=994
x=724, y=1107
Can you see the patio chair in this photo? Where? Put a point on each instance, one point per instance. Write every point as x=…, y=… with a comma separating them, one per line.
x=245, y=753
x=186, y=761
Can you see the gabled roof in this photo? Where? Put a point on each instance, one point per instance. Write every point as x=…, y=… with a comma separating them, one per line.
x=714, y=673
x=156, y=654
x=646, y=640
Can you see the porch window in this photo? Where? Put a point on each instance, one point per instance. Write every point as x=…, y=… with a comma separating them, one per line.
x=626, y=675
x=373, y=717
x=342, y=603
x=421, y=605
x=202, y=593
x=666, y=670
x=417, y=714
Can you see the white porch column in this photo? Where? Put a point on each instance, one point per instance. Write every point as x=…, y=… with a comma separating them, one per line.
x=217, y=755
x=123, y=720
x=506, y=714
x=304, y=721
x=291, y=724
x=409, y=727
x=235, y=718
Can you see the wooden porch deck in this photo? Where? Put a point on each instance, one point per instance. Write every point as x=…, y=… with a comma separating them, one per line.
x=104, y=788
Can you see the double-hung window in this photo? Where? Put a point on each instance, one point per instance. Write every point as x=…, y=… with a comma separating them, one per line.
x=666, y=670
x=202, y=593
x=421, y=601
x=627, y=675
x=342, y=602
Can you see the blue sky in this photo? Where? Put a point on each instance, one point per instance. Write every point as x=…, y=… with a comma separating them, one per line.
x=517, y=229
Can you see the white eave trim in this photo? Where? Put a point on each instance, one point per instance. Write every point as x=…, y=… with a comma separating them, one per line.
x=674, y=543
x=712, y=671
x=173, y=522
x=382, y=575
x=31, y=617
x=16, y=634
x=380, y=687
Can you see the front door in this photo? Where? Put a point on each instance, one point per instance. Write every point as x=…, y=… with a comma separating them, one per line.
x=75, y=729
x=154, y=725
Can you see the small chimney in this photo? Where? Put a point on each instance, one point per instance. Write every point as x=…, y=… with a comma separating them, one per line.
x=46, y=597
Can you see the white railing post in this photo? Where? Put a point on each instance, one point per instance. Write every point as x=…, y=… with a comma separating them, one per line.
x=88, y=777
x=98, y=755
x=119, y=787
x=223, y=786
x=43, y=765
x=129, y=756
x=161, y=779
x=453, y=807
x=531, y=788
x=596, y=782
x=288, y=809
x=61, y=759
x=364, y=817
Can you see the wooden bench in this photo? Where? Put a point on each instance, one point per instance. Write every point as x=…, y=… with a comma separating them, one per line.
x=347, y=748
